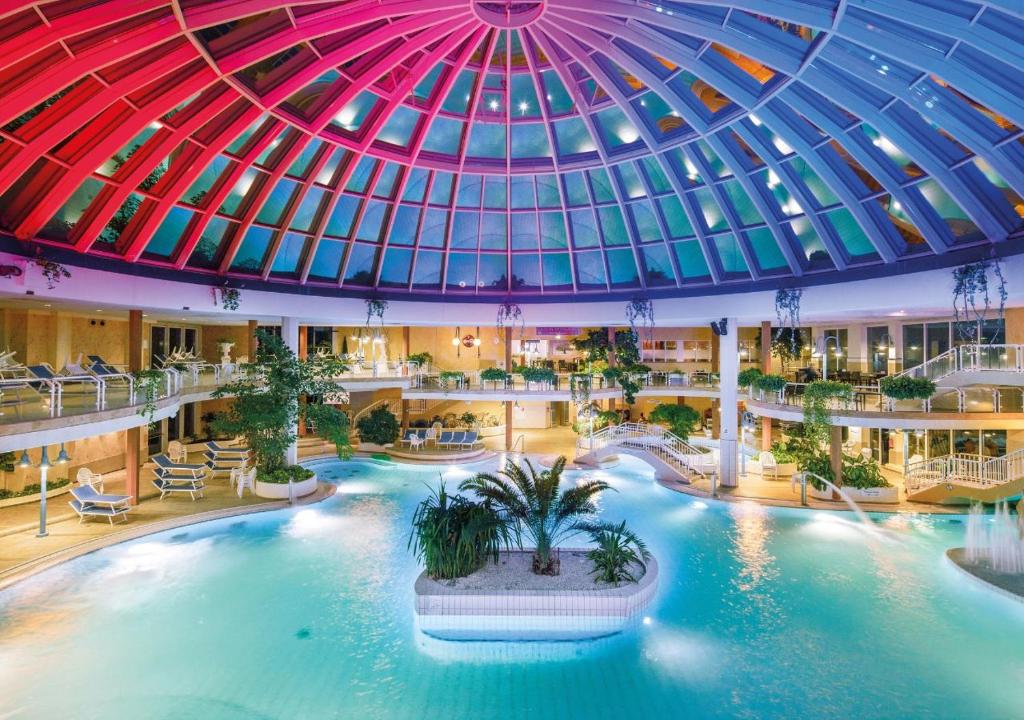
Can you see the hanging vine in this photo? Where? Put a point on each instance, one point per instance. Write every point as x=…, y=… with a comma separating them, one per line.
x=510, y=315
x=787, y=310
x=971, y=288
x=640, y=311
x=229, y=298
x=579, y=388
x=375, y=308
x=147, y=386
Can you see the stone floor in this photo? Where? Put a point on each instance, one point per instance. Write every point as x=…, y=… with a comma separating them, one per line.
x=20, y=548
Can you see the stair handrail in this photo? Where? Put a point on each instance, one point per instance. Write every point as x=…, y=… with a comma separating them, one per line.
x=670, y=448
x=392, y=404
x=963, y=467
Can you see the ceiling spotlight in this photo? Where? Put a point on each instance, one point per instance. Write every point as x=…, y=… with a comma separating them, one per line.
x=523, y=107
x=493, y=104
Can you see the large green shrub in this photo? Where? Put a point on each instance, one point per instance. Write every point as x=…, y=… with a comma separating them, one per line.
x=453, y=536
x=903, y=387
x=748, y=377
x=537, y=374
x=618, y=549
x=817, y=410
x=493, y=375
x=538, y=508
x=379, y=426
x=681, y=420
x=769, y=383
x=264, y=402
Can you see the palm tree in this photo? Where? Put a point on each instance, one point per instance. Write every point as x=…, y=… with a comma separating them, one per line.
x=534, y=503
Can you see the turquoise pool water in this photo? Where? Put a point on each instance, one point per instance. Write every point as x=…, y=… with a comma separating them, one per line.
x=307, y=613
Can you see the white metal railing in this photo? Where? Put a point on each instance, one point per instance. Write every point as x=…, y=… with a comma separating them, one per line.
x=962, y=468
x=654, y=439
x=970, y=358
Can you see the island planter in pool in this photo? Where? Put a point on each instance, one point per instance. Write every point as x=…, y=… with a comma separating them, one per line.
x=279, y=491
x=882, y=495
x=508, y=601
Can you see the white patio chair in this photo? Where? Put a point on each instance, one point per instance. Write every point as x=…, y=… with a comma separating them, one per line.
x=177, y=452
x=769, y=466
x=86, y=476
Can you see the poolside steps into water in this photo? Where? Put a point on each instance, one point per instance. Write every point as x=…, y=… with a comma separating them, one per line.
x=960, y=479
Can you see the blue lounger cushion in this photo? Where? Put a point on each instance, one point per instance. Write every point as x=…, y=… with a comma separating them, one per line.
x=165, y=463
x=104, y=510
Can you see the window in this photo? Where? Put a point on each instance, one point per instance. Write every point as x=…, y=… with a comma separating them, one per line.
x=913, y=345
x=881, y=349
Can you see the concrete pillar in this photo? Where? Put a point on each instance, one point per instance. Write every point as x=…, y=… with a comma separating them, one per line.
x=611, y=347
x=728, y=367
x=406, y=342
x=766, y=368
x=835, y=453
x=716, y=405
x=133, y=436
x=253, y=324
x=62, y=341
x=508, y=404
x=303, y=354
x=508, y=425
x=290, y=336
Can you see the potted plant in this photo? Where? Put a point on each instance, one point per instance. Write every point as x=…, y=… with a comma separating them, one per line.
x=862, y=482
x=746, y=378
x=451, y=379
x=494, y=376
x=681, y=420
x=904, y=387
x=540, y=375
x=422, y=359
x=264, y=409
x=769, y=384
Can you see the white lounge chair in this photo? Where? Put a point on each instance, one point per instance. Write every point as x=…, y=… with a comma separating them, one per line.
x=89, y=503
x=174, y=477
x=87, y=477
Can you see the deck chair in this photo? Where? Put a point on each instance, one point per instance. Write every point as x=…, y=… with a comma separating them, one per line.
x=172, y=477
x=470, y=440
x=89, y=503
x=176, y=452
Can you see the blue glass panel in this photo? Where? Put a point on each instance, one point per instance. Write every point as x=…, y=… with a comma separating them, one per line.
x=461, y=271
x=584, y=228
x=289, y=254
x=524, y=231
x=590, y=272
x=658, y=267
x=361, y=265
x=404, y=226
x=494, y=231
x=254, y=248
x=435, y=225
x=465, y=228
x=340, y=224
x=166, y=237
x=493, y=273
x=496, y=193
x=552, y=230
x=525, y=271
x=427, y=272
x=522, y=192
x=692, y=263
x=372, y=223
x=557, y=270
x=394, y=271
x=327, y=260
x=622, y=265
x=306, y=214
x=470, y=188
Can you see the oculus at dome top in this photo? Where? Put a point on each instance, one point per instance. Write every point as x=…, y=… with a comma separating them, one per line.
x=485, y=148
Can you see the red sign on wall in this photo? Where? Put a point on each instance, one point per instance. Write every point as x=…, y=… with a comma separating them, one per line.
x=552, y=331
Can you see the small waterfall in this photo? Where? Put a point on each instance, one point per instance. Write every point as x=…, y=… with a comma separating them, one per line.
x=1000, y=542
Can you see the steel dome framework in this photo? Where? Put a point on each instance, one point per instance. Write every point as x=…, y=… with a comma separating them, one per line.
x=490, y=147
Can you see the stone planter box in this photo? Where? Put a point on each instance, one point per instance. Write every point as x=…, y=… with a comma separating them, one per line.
x=26, y=499
x=886, y=495
x=279, y=491
x=784, y=472
x=499, y=607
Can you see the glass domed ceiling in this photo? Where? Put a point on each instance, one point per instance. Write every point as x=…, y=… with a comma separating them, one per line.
x=488, y=147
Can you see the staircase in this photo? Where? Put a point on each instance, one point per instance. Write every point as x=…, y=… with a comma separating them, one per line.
x=392, y=404
x=961, y=478
x=670, y=456
x=982, y=364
